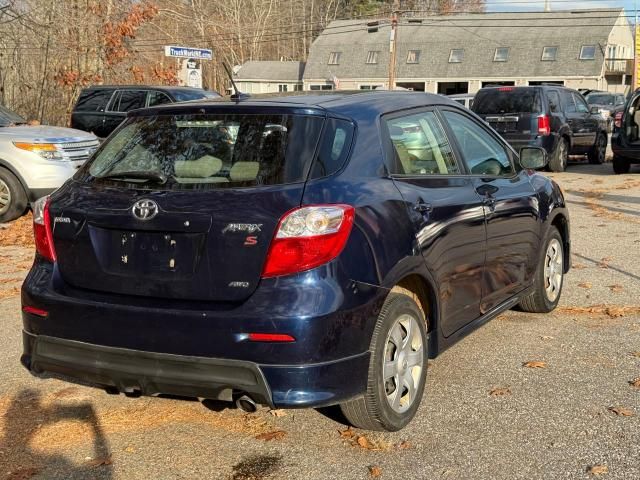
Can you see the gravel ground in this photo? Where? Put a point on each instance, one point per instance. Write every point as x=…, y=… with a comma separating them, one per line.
x=552, y=422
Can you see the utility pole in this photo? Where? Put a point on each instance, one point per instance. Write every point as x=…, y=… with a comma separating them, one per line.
x=393, y=38
x=547, y=6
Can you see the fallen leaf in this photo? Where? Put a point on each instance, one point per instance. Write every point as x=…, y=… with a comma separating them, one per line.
x=547, y=337
x=604, y=262
x=597, y=469
x=635, y=382
x=23, y=473
x=578, y=266
x=622, y=411
x=585, y=285
x=130, y=449
x=364, y=443
x=635, y=354
x=535, y=364
x=278, y=413
x=275, y=435
x=348, y=433
x=616, y=288
x=500, y=391
x=375, y=471
x=404, y=445
x=100, y=461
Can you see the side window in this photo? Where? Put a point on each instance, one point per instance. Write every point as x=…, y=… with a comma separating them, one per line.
x=581, y=105
x=334, y=148
x=93, y=100
x=483, y=154
x=114, y=102
x=420, y=146
x=554, y=101
x=158, y=98
x=131, y=99
x=569, y=104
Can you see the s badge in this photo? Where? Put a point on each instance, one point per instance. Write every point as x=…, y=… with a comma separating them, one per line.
x=251, y=240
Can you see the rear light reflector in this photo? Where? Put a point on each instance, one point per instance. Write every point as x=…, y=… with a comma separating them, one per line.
x=617, y=120
x=544, y=125
x=35, y=311
x=42, y=229
x=270, y=337
x=308, y=237
x=506, y=89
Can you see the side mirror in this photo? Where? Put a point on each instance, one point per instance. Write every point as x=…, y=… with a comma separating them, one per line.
x=594, y=110
x=533, y=157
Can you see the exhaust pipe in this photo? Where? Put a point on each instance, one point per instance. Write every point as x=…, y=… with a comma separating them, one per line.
x=246, y=404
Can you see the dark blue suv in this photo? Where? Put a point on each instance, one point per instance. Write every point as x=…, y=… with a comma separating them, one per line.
x=298, y=251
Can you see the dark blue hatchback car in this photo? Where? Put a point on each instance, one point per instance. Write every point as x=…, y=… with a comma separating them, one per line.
x=297, y=251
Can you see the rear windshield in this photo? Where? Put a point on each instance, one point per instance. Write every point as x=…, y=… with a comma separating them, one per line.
x=505, y=101
x=8, y=117
x=207, y=151
x=186, y=95
x=600, y=99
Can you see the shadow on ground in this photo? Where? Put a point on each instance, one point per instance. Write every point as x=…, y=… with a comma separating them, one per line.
x=25, y=416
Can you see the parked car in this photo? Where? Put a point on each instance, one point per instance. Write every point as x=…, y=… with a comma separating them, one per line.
x=464, y=99
x=625, y=139
x=35, y=160
x=552, y=117
x=311, y=266
x=606, y=103
x=100, y=109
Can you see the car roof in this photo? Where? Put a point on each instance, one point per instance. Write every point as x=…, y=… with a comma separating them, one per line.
x=341, y=101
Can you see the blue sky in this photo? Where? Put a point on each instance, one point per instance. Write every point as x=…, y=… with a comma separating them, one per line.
x=514, y=5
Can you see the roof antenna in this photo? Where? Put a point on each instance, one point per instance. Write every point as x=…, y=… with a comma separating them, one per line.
x=237, y=95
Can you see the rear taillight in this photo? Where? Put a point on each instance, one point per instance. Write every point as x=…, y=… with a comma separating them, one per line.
x=544, y=125
x=35, y=311
x=308, y=237
x=617, y=120
x=42, y=229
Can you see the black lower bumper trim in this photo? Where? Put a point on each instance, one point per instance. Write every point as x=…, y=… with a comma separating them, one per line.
x=146, y=373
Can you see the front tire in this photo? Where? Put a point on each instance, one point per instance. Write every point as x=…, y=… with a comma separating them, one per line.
x=547, y=286
x=13, y=199
x=560, y=156
x=620, y=165
x=397, y=368
x=598, y=152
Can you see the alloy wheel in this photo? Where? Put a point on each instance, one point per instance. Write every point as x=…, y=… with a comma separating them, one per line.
x=403, y=363
x=5, y=196
x=602, y=148
x=553, y=270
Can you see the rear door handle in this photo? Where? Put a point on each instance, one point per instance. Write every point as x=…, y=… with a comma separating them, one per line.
x=422, y=207
x=489, y=201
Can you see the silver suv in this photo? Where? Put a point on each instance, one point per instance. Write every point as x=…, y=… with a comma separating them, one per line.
x=36, y=160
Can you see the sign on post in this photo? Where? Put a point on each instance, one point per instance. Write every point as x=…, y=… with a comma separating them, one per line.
x=187, y=52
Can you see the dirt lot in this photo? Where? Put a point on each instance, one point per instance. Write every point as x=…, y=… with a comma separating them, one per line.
x=485, y=415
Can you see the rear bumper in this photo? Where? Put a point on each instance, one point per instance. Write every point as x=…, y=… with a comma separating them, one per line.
x=150, y=373
x=547, y=142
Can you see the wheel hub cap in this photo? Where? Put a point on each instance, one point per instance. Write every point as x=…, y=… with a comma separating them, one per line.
x=5, y=197
x=553, y=270
x=403, y=363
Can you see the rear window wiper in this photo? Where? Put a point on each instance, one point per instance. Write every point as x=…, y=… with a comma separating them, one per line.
x=156, y=177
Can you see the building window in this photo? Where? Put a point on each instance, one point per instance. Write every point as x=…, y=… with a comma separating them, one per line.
x=283, y=88
x=297, y=88
x=549, y=54
x=501, y=54
x=334, y=58
x=413, y=56
x=372, y=56
x=320, y=87
x=456, y=55
x=371, y=87
x=588, y=52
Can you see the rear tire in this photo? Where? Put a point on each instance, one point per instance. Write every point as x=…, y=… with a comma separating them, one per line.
x=560, y=155
x=397, y=368
x=620, y=165
x=13, y=199
x=598, y=152
x=549, y=279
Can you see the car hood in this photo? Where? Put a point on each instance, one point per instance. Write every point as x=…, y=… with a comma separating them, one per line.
x=44, y=134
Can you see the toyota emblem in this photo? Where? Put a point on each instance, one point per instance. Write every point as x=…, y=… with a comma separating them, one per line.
x=145, y=209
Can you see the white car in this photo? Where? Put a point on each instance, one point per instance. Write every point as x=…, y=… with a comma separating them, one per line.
x=36, y=160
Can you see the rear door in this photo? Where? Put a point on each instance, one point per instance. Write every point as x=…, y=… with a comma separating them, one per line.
x=510, y=207
x=88, y=113
x=122, y=102
x=446, y=212
x=205, y=232
x=590, y=121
